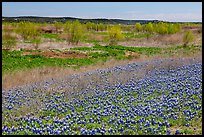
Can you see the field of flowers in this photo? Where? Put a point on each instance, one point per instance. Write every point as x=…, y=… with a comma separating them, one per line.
x=138, y=98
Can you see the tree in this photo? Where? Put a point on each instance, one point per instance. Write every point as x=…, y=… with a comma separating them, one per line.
x=171, y=29
x=29, y=32
x=138, y=27
x=188, y=37
x=162, y=28
x=149, y=28
x=89, y=26
x=74, y=31
x=177, y=27
x=115, y=34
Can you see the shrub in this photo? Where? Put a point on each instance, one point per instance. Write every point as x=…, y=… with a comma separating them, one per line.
x=162, y=28
x=138, y=27
x=29, y=32
x=74, y=31
x=149, y=27
x=115, y=34
x=187, y=38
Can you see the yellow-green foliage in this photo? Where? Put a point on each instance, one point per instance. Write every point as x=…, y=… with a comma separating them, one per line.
x=149, y=27
x=138, y=27
x=58, y=26
x=115, y=34
x=167, y=28
x=89, y=26
x=188, y=37
x=28, y=31
x=162, y=28
x=101, y=27
x=74, y=31
x=177, y=27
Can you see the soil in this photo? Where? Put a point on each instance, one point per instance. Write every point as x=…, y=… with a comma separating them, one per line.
x=51, y=54
x=52, y=45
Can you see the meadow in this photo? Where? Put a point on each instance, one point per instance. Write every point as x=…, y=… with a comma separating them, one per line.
x=93, y=79
x=166, y=100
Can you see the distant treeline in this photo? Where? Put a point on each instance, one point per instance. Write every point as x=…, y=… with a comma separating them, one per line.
x=65, y=19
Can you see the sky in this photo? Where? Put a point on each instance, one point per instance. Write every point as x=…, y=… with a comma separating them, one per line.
x=166, y=11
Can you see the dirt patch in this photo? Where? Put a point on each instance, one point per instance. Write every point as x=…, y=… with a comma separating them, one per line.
x=51, y=54
x=52, y=45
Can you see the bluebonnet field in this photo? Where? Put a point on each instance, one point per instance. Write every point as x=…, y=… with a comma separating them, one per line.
x=151, y=97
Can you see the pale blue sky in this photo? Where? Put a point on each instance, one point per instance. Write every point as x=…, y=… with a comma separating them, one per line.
x=167, y=11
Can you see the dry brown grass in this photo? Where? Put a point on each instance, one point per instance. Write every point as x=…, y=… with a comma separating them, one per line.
x=96, y=37
x=169, y=39
x=163, y=40
x=38, y=74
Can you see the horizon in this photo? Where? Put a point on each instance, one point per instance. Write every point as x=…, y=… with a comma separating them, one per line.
x=105, y=18
x=164, y=11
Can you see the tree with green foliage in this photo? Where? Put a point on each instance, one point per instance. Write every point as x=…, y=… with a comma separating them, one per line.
x=115, y=34
x=173, y=28
x=89, y=26
x=101, y=27
x=177, y=27
x=162, y=28
x=74, y=31
x=138, y=27
x=149, y=27
x=29, y=32
x=187, y=38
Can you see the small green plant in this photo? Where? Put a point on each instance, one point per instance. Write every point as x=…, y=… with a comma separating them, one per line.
x=36, y=42
x=187, y=38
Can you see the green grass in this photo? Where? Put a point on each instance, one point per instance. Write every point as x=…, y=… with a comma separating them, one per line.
x=51, y=36
x=118, y=49
x=14, y=60
x=131, y=35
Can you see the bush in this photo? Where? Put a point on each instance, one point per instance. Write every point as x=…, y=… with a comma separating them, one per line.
x=149, y=28
x=162, y=28
x=27, y=30
x=138, y=27
x=115, y=34
x=74, y=31
x=187, y=38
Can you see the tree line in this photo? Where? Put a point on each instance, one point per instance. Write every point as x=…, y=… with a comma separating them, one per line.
x=74, y=31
